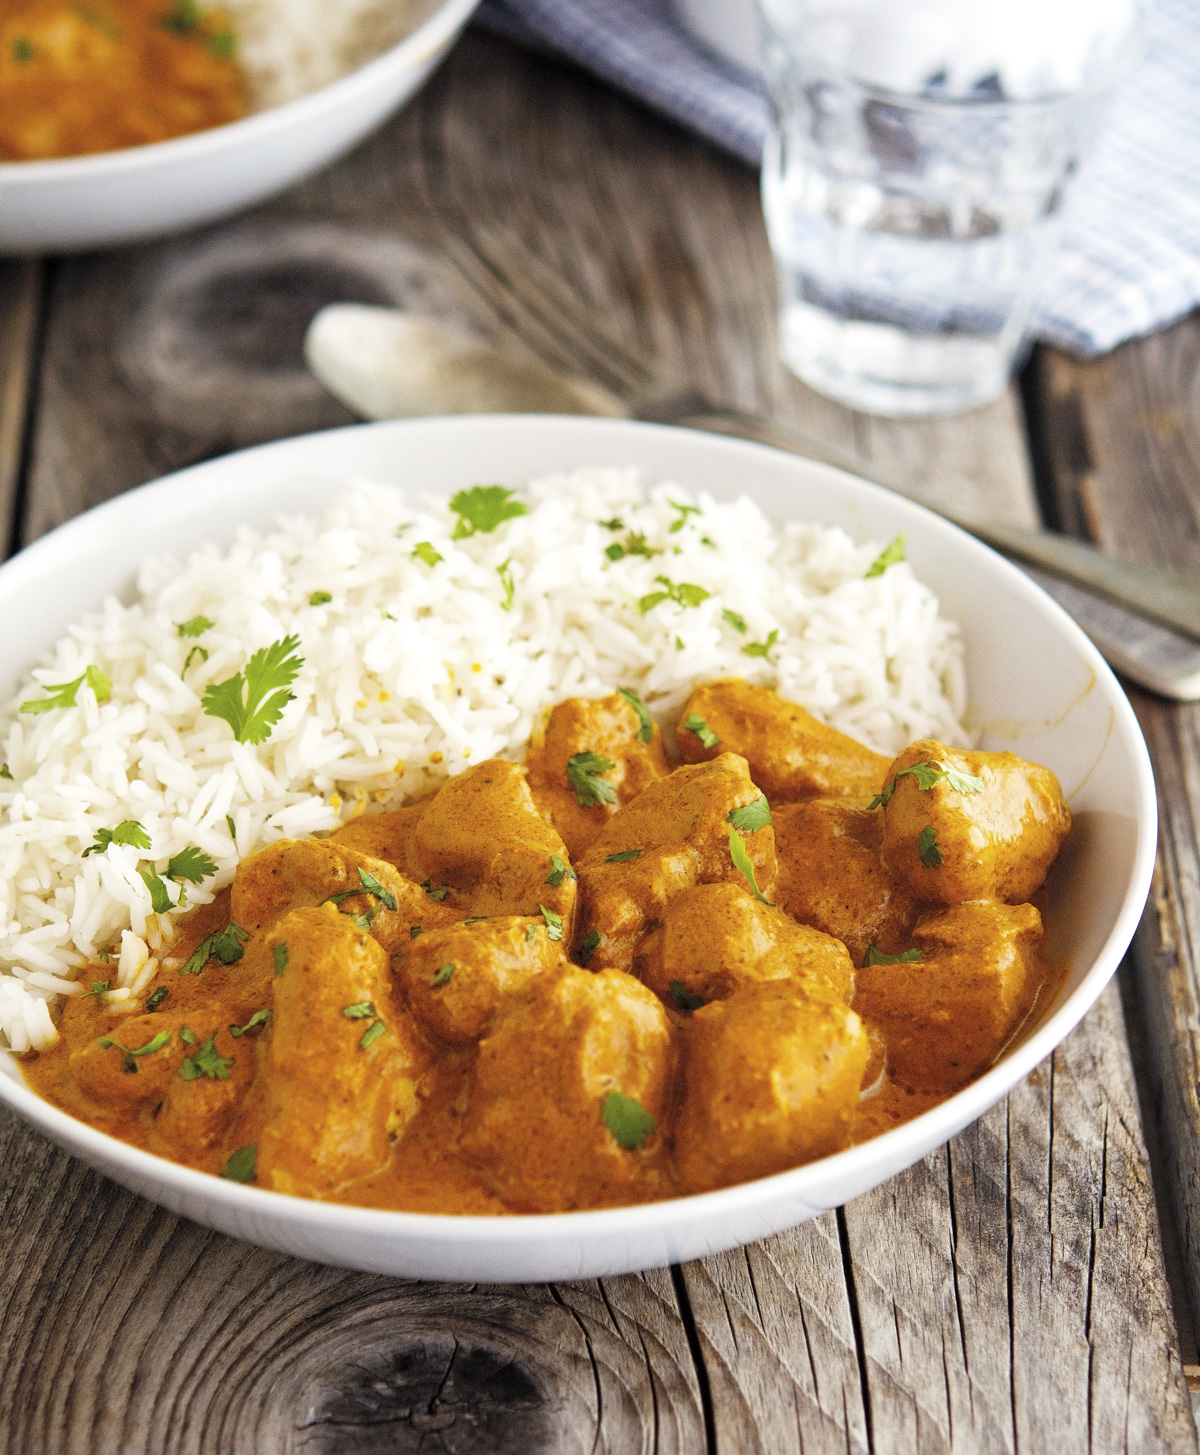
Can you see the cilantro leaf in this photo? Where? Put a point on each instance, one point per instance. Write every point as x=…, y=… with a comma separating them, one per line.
x=963, y=782
x=684, y=512
x=259, y=1018
x=884, y=797
x=584, y=772
x=531, y=934
x=62, y=694
x=253, y=702
x=196, y=651
x=191, y=864
x=927, y=848
x=99, y=987
x=554, y=924
x=129, y=1063
x=875, y=956
x=761, y=649
x=891, y=555
x=5, y=772
x=196, y=627
x=207, y=1061
x=684, y=593
x=372, y=1034
x=506, y=580
x=928, y=775
x=743, y=864
x=320, y=598
x=684, y=998
x=23, y=50
x=372, y=886
x=160, y=899
x=646, y=731
x=627, y=856
x=281, y=959
x=224, y=945
x=444, y=975
x=157, y=998
x=634, y=544
x=231, y=826
x=688, y=595
x=129, y=832
x=415, y=930
x=559, y=871
x=754, y=816
x=616, y=523
x=628, y=1120
x=738, y=623
x=483, y=508
x=697, y=725
x=651, y=600
x=243, y=1165
x=588, y=946
x=438, y=894
x=362, y=1010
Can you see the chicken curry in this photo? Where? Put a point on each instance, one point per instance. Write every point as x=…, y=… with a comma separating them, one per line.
x=105, y=74
x=597, y=980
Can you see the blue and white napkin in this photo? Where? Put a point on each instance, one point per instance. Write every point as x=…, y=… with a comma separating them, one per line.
x=1130, y=257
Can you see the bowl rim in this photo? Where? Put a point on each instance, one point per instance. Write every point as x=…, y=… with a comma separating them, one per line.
x=417, y=48
x=799, y=1185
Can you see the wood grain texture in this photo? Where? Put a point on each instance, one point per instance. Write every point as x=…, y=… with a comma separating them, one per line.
x=1123, y=443
x=565, y=223
x=20, y=300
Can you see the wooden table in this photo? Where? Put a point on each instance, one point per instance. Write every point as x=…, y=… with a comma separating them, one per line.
x=1006, y=1294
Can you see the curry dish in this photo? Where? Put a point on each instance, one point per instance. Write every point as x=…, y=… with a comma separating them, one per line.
x=601, y=979
x=104, y=74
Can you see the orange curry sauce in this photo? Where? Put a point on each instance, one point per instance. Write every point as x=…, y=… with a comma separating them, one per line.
x=99, y=75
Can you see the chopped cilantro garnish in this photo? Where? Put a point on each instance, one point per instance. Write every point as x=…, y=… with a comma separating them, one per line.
x=506, y=580
x=253, y=702
x=737, y=622
x=415, y=930
x=875, y=956
x=129, y=1063
x=129, y=832
x=761, y=649
x=891, y=555
x=364, y=921
x=684, y=512
x=588, y=946
x=697, y=725
x=424, y=551
x=634, y=544
x=372, y=886
x=684, y=594
x=104, y=956
x=554, y=924
x=742, y=863
x=646, y=731
x=320, y=598
x=444, y=975
x=160, y=898
x=531, y=934
x=928, y=775
x=616, y=523
x=372, y=1034
x=362, y=1010
x=259, y=1018
x=559, y=871
x=439, y=894
x=475, y=919
x=5, y=772
x=191, y=864
x=225, y=945
x=62, y=694
x=684, y=998
x=197, y=651
x=927, y=848
x=243, y=1165
x=185, y=16
x=188, y=1036
x=709, y=542
x=483, y=508
x=100, y=986
x=628, y=1120
x=157, y=998
x=23, y=50
x=207, y=1061
x=626, y=857
x=754, y=816
x=196, y=627
x=223, y=44
x=231, y=826
x=584, y=774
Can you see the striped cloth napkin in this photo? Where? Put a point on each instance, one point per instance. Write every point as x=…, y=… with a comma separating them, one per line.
x=1130, y=256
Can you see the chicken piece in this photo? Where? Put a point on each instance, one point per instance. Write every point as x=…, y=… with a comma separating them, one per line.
x=612, y=729
x=946, y=1016
x=832, y=875
x=678, y=832
x=718, y=937
x=119, y=1069
x=456, y=978
x=792, y=756
x=771, y=1079
x=987, y=826
x=202, y=1101
x=386, y=836
x=483, y=841
x=342, y=1063
x=539, y=1126
x=303, y=873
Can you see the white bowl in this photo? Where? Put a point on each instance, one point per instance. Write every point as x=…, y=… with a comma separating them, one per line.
x=68, y=204
x=1035, y=684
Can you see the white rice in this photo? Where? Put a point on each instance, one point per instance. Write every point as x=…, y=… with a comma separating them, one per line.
x=289, y=48
x=412, y=672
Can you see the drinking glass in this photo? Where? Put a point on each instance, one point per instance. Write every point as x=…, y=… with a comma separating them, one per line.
x=914, y=181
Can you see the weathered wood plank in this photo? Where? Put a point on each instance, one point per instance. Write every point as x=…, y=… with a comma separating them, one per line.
x=20, y=297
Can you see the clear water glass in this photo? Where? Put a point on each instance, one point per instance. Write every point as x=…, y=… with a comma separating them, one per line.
x=914, y=196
